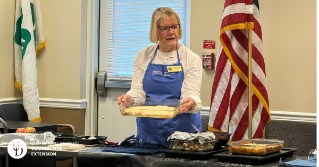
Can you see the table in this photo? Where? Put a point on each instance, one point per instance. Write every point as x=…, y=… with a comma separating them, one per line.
x=40, y=127
x=34, y=161
x=93, y=157
x=96, y=158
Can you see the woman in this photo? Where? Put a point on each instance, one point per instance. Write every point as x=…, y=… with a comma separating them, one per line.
x=152, y=78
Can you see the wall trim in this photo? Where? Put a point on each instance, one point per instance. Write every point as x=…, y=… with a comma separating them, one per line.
x=281, y=115
x=50, y=102
x=81, y=104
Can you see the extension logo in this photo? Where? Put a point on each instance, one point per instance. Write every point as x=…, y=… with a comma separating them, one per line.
x=157, y=72
x=17, y=148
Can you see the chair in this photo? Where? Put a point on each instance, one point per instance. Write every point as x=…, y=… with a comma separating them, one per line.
x=16, y=112
x=300, y=135
x=13, y=112
x=205, y=120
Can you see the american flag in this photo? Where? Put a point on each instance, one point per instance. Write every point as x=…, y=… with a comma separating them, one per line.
x=229, y=99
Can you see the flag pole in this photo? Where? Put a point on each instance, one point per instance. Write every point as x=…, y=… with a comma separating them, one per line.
x=249, y=82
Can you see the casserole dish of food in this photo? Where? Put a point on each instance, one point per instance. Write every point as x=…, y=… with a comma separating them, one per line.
x=256, y=146
x=154, y=108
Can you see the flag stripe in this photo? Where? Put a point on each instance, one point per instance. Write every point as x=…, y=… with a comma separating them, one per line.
x=244, y=43
x=220, y=63
x=220, y=87
x=236, y=97
x=243, y=124
x=235, y=18
x=228, y=3
x=257, y=57
x=239, y=62
x=257, y=29
x=262, y=124
x=223, y=107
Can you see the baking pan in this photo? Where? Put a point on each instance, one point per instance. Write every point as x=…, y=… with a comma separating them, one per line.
x=152, y=107
x=256, y=146
x=87, y=141
x=222, y=138
x=255, y=159
x=169, y=153
x=65, y=138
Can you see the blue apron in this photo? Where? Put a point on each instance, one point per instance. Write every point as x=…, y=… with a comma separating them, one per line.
x=159, y=83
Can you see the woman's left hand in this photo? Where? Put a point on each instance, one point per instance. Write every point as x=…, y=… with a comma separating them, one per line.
x=189, y=104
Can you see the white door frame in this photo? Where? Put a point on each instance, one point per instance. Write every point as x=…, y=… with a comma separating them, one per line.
x=92, y=52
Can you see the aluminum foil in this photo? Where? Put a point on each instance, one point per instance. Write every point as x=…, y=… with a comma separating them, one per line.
x=29, y=138
x=201, y=137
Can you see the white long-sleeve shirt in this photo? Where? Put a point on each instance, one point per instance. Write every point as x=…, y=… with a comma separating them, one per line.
x=192, y=66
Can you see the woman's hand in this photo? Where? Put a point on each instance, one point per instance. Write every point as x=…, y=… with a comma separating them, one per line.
x=189, y=104
x=124, y=101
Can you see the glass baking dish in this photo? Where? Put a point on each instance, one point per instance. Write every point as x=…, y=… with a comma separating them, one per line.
x=152, y=107
x=256, y=146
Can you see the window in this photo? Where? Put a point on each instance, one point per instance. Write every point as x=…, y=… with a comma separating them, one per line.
x=125, y=26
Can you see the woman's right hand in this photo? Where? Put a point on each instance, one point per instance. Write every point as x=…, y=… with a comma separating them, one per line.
x=125, y=100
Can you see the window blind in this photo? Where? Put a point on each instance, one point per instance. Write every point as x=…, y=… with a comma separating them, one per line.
x=128, y=26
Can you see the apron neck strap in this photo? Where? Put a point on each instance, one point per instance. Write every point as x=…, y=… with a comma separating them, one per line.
x=176, y=51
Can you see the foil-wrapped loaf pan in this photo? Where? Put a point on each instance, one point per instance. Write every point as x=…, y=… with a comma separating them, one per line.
x=184, y=141
x=45, y=138
x=152, y=107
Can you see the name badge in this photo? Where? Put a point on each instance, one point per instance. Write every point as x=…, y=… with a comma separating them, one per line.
x=174, y=68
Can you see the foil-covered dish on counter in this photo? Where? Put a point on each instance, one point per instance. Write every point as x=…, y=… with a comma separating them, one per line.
x=45, y=138
x=152, y=107
x=184, y=141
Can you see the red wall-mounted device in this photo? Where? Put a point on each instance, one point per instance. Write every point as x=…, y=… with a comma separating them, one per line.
x=208, y=60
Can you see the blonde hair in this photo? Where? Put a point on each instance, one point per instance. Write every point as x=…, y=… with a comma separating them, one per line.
x=157, y=15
